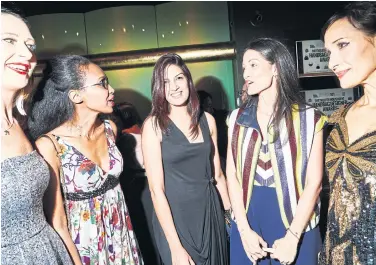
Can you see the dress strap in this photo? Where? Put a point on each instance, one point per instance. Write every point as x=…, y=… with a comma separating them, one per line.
x=205, y=127
x=55, y=144
x=109, y=131
x=110, y=183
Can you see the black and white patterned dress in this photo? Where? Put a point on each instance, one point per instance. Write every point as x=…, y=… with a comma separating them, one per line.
x=26, y=237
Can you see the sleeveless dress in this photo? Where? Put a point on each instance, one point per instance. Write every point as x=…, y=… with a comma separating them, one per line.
x=351, y=168
x=98, y=217
x=26, y=237
x=193, y=199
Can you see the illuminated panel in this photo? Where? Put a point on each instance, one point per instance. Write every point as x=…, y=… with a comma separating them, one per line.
x=185, y=23
x=58, y=34
x=123, y=28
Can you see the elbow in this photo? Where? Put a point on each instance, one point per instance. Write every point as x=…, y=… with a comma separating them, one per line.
x=156, y=192
x=60, y=226
x=220, y=177
x=315, y=190
x=318, y=190
x=61, y=230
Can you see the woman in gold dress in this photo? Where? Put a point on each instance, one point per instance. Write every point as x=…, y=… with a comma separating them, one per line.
x=350, y=38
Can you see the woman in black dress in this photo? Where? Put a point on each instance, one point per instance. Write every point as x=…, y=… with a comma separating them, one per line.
x=180, y=151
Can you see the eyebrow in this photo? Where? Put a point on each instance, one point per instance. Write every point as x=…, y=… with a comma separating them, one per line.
x=9, y=33
x=252, y=59
x=337, y=40
x=179, y=74
x=16, y=35
x=102, y=77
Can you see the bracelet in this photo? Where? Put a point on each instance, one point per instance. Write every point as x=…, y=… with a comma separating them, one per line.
x=296, y=236
x=228, y=216
x=228, y=212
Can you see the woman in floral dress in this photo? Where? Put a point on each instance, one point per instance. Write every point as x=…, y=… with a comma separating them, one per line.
x=80, y=149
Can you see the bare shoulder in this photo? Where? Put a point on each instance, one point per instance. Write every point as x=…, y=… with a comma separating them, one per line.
x=211, y=121
x=151, y=128
x=148, y=123
x=47, y=146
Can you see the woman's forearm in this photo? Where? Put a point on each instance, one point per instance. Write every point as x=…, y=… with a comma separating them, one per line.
x=70, y=246
x=235, y=194
x=305, y=209
x=223, y=191
x=163, y=212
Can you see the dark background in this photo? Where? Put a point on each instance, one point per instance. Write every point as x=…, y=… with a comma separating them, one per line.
x=287, y=21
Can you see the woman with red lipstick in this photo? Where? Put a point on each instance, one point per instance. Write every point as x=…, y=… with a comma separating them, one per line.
x=26, y=236
x=182, y=165
x=84, y=160
x=350, y=38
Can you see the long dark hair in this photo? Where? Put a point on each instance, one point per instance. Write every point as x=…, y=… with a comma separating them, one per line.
x=361, y=15
x=51, y=105
x=160, y=106
x=128, y=115
x=287, y=82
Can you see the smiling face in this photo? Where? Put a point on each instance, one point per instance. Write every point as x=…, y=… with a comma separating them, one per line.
x=176, y=86
x=17, y=52
x=352, y=53
x=257, y=72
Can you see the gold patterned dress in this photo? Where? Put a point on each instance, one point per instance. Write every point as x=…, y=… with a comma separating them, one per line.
x=351, y=231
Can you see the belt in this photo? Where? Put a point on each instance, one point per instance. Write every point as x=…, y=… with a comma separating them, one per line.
x=110, y=183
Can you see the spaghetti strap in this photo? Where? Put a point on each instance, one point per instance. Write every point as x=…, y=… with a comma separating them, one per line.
x=53, y=142
x=109, y=130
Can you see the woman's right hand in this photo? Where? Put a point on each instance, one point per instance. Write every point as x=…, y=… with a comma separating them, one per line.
x=180, y=256
x=253, y=244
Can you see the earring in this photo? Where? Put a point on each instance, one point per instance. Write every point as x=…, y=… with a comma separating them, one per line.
x=20, y=103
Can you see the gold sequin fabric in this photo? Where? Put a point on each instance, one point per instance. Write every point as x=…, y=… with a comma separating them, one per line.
x=351, y=168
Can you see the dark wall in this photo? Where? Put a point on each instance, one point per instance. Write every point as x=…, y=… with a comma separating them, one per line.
x=286, y=21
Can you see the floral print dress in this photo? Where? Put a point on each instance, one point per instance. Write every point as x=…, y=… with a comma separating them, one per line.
x=100, y=226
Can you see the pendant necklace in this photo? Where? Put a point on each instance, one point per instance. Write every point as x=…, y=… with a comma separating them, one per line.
x=6, y=131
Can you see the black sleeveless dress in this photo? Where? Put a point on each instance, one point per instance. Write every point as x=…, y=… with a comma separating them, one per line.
x=195, y=205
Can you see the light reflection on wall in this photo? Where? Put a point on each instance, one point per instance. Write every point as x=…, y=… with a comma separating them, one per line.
x=123, y=28
x=184, y=23
x=143, y=27
x=134, y=85
x=58, y=34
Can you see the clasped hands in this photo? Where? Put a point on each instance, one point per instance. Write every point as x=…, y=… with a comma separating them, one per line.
x=283, y=249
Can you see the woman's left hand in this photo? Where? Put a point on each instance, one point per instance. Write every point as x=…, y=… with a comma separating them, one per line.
x=285, y=249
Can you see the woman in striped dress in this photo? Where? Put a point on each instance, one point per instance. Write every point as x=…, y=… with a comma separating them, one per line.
x=274, y=164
